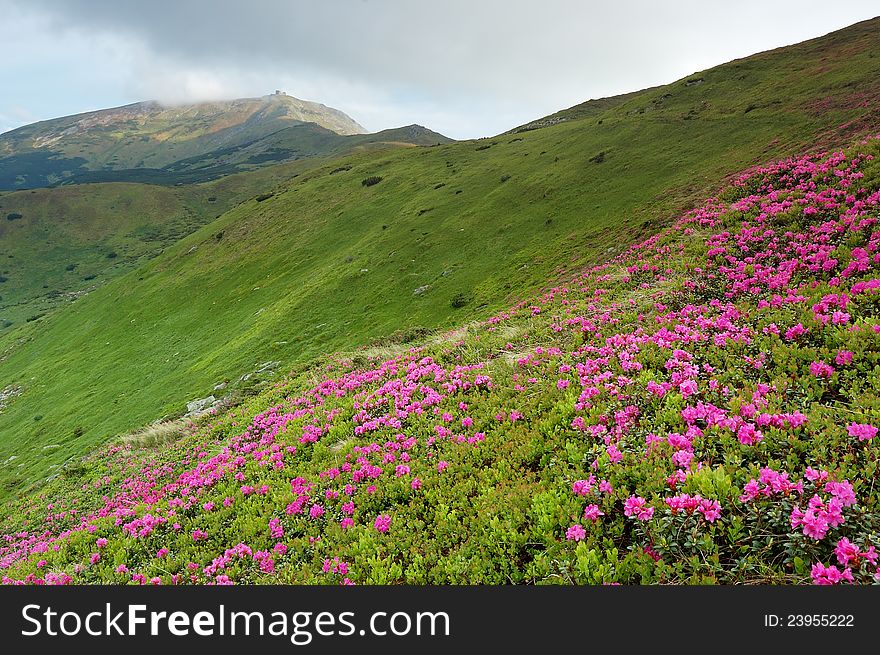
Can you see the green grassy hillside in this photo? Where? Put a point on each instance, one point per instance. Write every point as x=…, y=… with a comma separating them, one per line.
x=449, y=233
x=58, y=243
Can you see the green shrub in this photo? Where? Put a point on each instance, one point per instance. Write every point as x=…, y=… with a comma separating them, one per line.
x=460, y=300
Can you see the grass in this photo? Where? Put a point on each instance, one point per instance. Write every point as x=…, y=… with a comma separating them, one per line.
x=328, y=264
x=157, y=435
x=65, y=241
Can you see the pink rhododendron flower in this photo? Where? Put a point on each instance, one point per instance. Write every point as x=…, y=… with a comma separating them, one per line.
x=637, y=507
x=613, y=453
x=710, y=509
x=688, y=388
x=592, y=512
x=382, y=522
x=829, y=575
x=863, y=431
x=575, y=532
x=846, y=551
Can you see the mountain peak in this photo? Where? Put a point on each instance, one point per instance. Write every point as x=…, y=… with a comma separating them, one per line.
x=154, y=135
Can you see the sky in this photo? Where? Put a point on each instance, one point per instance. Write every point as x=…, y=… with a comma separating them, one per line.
x=465, y=68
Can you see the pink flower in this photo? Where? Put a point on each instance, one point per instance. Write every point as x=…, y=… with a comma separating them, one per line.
x=748, y=434
x=416, y=484
x=592, y=512
x=442, y=466
x=846, y=551
x=844, y=358
x=814, y=475
x=815, y=523
x=829, y=575
x=382, y=522
x=710, y=509
x=613, y=453
x=751, y=490
x=682, y=458
x=656, y=389
x=575, y=532
x=864, y=431
x=101, y=542
x=821, y=370
x=842, y=492
x=795, y=331
x=687, y=388
x=95, y=558
x=637, y=507
x=316, y=511
x=162, y=552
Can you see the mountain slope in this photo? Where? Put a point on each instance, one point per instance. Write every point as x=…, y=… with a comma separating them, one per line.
x=147, y=135
x=449, y=233
x=701, y=409
x=60, y=242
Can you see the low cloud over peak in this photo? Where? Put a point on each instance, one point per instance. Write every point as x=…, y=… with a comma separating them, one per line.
x=463, y=68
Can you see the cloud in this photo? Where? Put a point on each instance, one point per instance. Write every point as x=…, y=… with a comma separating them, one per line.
x=473, y=67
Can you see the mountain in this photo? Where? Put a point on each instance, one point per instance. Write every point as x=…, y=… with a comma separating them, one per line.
x=60, y=242
x=148, y=142
x=381, y=247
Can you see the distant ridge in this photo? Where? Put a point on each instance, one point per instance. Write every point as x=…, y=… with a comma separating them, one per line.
x=151, y=142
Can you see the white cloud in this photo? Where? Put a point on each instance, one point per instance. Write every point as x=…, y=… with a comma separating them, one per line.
x=464, y=67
